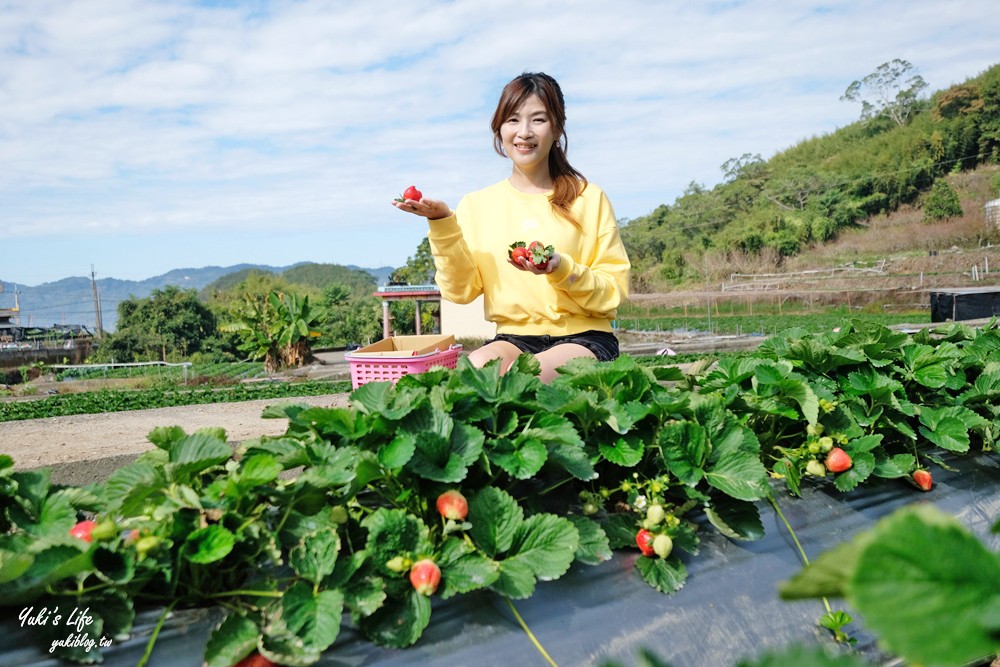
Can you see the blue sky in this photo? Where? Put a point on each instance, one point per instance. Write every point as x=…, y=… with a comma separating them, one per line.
x=139, y=136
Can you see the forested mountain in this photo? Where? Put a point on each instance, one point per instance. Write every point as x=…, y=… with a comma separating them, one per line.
x=903, y=145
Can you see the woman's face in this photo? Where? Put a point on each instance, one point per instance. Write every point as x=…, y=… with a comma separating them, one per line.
x=528, y=135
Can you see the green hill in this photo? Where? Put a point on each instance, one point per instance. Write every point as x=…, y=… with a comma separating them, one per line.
x=812, y=193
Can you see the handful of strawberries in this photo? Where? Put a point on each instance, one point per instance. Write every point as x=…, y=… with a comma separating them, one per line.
x=535, y=252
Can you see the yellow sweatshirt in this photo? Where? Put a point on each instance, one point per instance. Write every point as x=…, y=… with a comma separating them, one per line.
x=583, y=293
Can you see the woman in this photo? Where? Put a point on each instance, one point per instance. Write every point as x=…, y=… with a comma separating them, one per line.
x=565, y=309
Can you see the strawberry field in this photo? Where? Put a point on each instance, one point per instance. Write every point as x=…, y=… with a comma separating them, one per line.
x=670, y=505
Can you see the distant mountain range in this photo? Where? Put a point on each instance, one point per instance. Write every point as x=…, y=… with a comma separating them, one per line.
x=71, y=300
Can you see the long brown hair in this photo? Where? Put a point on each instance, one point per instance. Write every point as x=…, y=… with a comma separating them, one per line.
x=567, y=182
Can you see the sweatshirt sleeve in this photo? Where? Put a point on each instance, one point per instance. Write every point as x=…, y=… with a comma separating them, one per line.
x=457, y=275
x=600, y=283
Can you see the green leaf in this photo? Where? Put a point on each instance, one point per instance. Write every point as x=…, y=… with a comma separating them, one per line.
x=923, y=566
x=626, y=450
x=685, y=450
x=664, y=574
x=620, y=528
x=234, y=639
x=312, y=616
x=446, y=458
x=13, y=564
x=49, y=565
x=393, y=533
x=195, y=454
x=893, y=467
x=826, y=575
x=315, y=556
x=128, y=488
x=495, y=517
x=113, y=566
x=736, y=471
x=209, y=544
x=397, y=452
x=165, y=437
x=399, y=622
x=386, y=401
x=948, y=427
x=594, y=547
x=544, y=547
x=802, y=656
x=257, y=470
x=521, y=459
x=736, y=519
x=463, y=569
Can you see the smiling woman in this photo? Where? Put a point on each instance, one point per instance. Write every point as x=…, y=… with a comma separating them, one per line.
x=556, y=304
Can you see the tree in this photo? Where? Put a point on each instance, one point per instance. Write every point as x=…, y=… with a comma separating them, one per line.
x=169, y=323
x=279, y=329
x=419, y=269
x=887, y=92
x=942, y=202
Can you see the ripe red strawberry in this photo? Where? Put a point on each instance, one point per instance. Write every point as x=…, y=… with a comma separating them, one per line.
x=453, y=505
x=410, y=193
x=518, y=251
x=83, y=529
x=425, y=576
x=255, y=659
x=922, y=478
x=540, y=254
x=838, y=460
x=644, y=539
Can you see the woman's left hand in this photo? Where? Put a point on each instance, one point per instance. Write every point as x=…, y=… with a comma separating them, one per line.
x=527, y=265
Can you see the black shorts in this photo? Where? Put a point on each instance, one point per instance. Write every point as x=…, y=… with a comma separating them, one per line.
x=603, y=344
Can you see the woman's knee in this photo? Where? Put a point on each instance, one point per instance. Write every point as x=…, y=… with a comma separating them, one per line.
x=506, y=352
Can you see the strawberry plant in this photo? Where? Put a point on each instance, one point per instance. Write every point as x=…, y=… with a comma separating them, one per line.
x=454, y=481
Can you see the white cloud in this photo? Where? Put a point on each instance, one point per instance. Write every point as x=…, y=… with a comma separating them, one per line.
x=132, y=119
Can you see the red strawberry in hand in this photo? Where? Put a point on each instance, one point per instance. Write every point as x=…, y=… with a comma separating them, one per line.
x=540, y=254
x=518, y=251
x=644, y=539
x=425, y=576
x=83, y=529
x=838, y=460
x=411, y=193
x=922, y=478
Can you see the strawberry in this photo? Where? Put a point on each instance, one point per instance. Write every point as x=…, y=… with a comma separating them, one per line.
x=663, y=545
x=255, y=659
x=644, y=539
x=838, y=460
x=540, y=254
x=453, y=505
x=815, y=468
x=922, y=478
x=518, y=251
x=83, y=530
x=425, y=576
x=411, y=193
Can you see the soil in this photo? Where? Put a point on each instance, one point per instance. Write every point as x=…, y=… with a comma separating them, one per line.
x=82, y=449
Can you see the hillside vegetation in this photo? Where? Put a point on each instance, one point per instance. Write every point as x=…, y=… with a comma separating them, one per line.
x=919, y=178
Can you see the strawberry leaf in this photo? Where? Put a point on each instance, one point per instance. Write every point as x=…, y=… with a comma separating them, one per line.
x=463, y=569
x=315, y=556
x=313, y=616
x=544, y=547
x=521, y=458
x=666, y=575
x=862, y=466
x=209, y=544
x=495, y=518
x=922, y=566
x=736, y=519
x=234, y=639
x=393, y=533
x=399, y=622
x=594, y=547
x=397, y=452
x=625, y=451
x=735, y=468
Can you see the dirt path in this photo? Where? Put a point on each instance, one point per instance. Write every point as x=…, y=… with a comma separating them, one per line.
x=85, y=448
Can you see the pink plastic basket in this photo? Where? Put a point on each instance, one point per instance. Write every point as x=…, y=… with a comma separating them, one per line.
x=390, y=369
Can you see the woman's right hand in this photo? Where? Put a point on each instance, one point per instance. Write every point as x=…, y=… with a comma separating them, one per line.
x=432, y=209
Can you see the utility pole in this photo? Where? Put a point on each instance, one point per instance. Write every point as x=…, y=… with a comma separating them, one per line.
x=97, y=305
